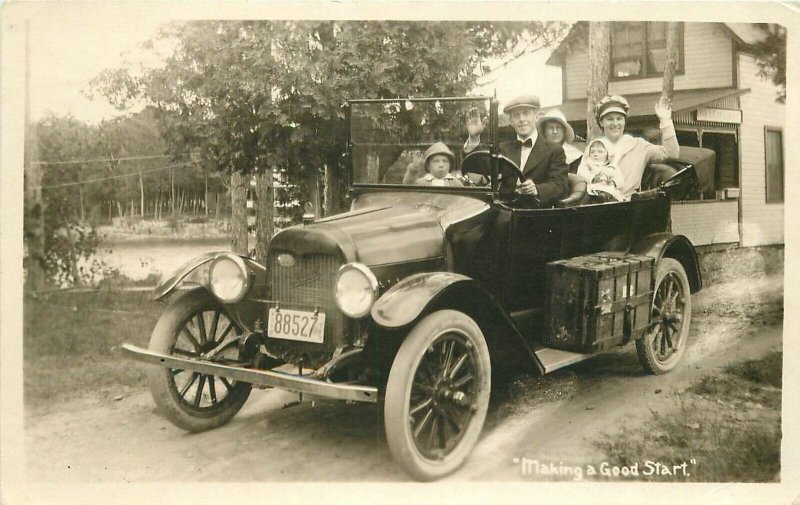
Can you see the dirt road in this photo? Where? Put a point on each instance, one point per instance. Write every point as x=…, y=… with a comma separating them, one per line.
x=552, y=419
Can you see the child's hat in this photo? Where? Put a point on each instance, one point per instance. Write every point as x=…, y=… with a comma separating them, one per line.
x=606, y=144
x=439, y=148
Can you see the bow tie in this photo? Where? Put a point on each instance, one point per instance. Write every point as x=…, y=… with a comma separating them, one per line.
x=527, y=143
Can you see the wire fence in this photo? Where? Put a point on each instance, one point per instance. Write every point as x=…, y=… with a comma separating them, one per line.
x=132, y=174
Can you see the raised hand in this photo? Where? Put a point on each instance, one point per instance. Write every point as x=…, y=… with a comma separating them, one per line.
x=475, y=124
x=663, y=108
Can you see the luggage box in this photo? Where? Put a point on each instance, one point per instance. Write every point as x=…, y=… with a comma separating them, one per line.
x=597, y=301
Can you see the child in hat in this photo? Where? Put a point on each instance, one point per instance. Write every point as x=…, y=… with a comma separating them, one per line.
x=603, y=178
x=439, y=160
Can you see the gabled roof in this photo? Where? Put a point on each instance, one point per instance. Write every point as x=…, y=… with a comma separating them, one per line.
x=743, y=34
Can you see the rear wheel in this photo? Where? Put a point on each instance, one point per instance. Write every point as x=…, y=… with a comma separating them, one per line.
x=437, y=394
x=193, y=325
x=664, y=344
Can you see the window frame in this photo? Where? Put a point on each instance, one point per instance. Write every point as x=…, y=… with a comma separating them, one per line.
x=680, y=70
x=781, y=197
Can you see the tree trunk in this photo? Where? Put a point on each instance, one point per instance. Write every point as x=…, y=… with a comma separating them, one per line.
x=83, y=209
x=206, y=195
x=34, y=231
x=141, y=191
x=312, y=187
x=216, y=205
x=238, y=213
x=265, y=210
x=597, y=85
x=334, y=188
x=671, y=65
x=172, y=189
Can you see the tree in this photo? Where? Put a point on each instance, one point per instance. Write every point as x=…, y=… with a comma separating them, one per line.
x=268, y=95
x=671, y=64
x=597, y=84
x=770, y=55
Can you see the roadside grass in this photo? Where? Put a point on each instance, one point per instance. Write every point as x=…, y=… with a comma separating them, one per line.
x=728, y=424
x=71, y=343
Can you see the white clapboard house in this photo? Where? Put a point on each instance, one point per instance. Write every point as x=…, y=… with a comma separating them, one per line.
x=720, y=103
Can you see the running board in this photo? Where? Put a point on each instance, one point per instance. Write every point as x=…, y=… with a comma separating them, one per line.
x=553, y=359
x=278, y=380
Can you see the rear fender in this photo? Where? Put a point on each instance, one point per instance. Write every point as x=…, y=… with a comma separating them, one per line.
x=418, y=295
x=678, y=247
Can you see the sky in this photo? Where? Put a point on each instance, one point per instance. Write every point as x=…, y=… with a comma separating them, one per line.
x=67, y=52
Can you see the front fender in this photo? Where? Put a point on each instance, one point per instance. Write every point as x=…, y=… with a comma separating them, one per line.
x=195, y=271
x=419, y=294
x=667, y=245
x=406, y=300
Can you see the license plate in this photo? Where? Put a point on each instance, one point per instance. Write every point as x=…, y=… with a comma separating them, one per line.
x=296, y=325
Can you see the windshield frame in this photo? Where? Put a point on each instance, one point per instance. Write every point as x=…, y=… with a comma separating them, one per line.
x=489, y=139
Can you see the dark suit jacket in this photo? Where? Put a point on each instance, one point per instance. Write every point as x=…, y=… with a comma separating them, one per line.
x=546, y=167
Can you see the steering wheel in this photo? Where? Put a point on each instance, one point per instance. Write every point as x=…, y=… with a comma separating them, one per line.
x=479, y=163
x=674, y=180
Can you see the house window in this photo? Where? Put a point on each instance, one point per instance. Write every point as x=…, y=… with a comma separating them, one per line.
x=773, y=150
x=640, y=49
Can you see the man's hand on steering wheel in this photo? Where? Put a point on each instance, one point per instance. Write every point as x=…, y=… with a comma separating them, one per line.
x=527, y=187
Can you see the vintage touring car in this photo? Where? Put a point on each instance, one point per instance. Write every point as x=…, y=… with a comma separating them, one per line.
x=418, y=295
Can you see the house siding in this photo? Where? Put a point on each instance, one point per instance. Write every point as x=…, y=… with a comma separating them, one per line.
x=691, y=220
x=707, y=63
x=762, y=223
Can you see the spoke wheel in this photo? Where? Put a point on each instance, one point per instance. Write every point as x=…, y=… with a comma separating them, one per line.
x=437, y=394
x=191, y=327
x=663, y=345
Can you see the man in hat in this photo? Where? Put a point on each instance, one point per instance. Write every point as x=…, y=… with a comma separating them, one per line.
x=543, y=166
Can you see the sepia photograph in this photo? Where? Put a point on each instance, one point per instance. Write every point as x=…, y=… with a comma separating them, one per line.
x=431, y=252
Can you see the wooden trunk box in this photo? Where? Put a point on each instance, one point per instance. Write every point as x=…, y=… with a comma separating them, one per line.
x=597, y=301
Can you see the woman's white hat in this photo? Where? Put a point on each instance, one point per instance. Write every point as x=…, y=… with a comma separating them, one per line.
x=559, y=117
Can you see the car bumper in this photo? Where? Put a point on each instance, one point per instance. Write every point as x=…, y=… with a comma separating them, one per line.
x=274, y=379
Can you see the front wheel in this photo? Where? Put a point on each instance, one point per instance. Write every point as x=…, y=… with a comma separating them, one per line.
x=663, y=345
x=437, y=395
x=193, y=325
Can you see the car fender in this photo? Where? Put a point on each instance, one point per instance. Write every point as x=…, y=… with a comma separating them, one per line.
x=420, y=294
x=195, y=271
x=678, y=247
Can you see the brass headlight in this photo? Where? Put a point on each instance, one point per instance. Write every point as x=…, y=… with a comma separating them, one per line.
x=356, y=289
x=228, y=278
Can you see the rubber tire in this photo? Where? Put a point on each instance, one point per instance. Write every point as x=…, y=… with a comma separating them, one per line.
x=644, y=348
x=398, y=391
x=159, y=379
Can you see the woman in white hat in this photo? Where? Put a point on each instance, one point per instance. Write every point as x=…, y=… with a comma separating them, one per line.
x=555, y=129
x=633, y=154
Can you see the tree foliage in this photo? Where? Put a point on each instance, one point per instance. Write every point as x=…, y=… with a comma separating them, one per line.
x=93, y=172
x=770, y=55
x=250, y=94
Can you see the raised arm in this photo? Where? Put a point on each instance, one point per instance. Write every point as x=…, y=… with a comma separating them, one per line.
x=475, y=126
x=669, y=147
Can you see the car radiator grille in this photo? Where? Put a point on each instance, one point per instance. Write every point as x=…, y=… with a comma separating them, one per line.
x=308, y=285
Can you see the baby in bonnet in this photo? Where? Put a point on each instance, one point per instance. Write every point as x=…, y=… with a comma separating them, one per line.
x=603, y=178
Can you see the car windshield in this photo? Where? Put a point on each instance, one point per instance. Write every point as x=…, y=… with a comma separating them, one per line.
x=389, y=139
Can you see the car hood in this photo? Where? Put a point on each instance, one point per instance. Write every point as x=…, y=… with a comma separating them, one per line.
x=384, y=228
